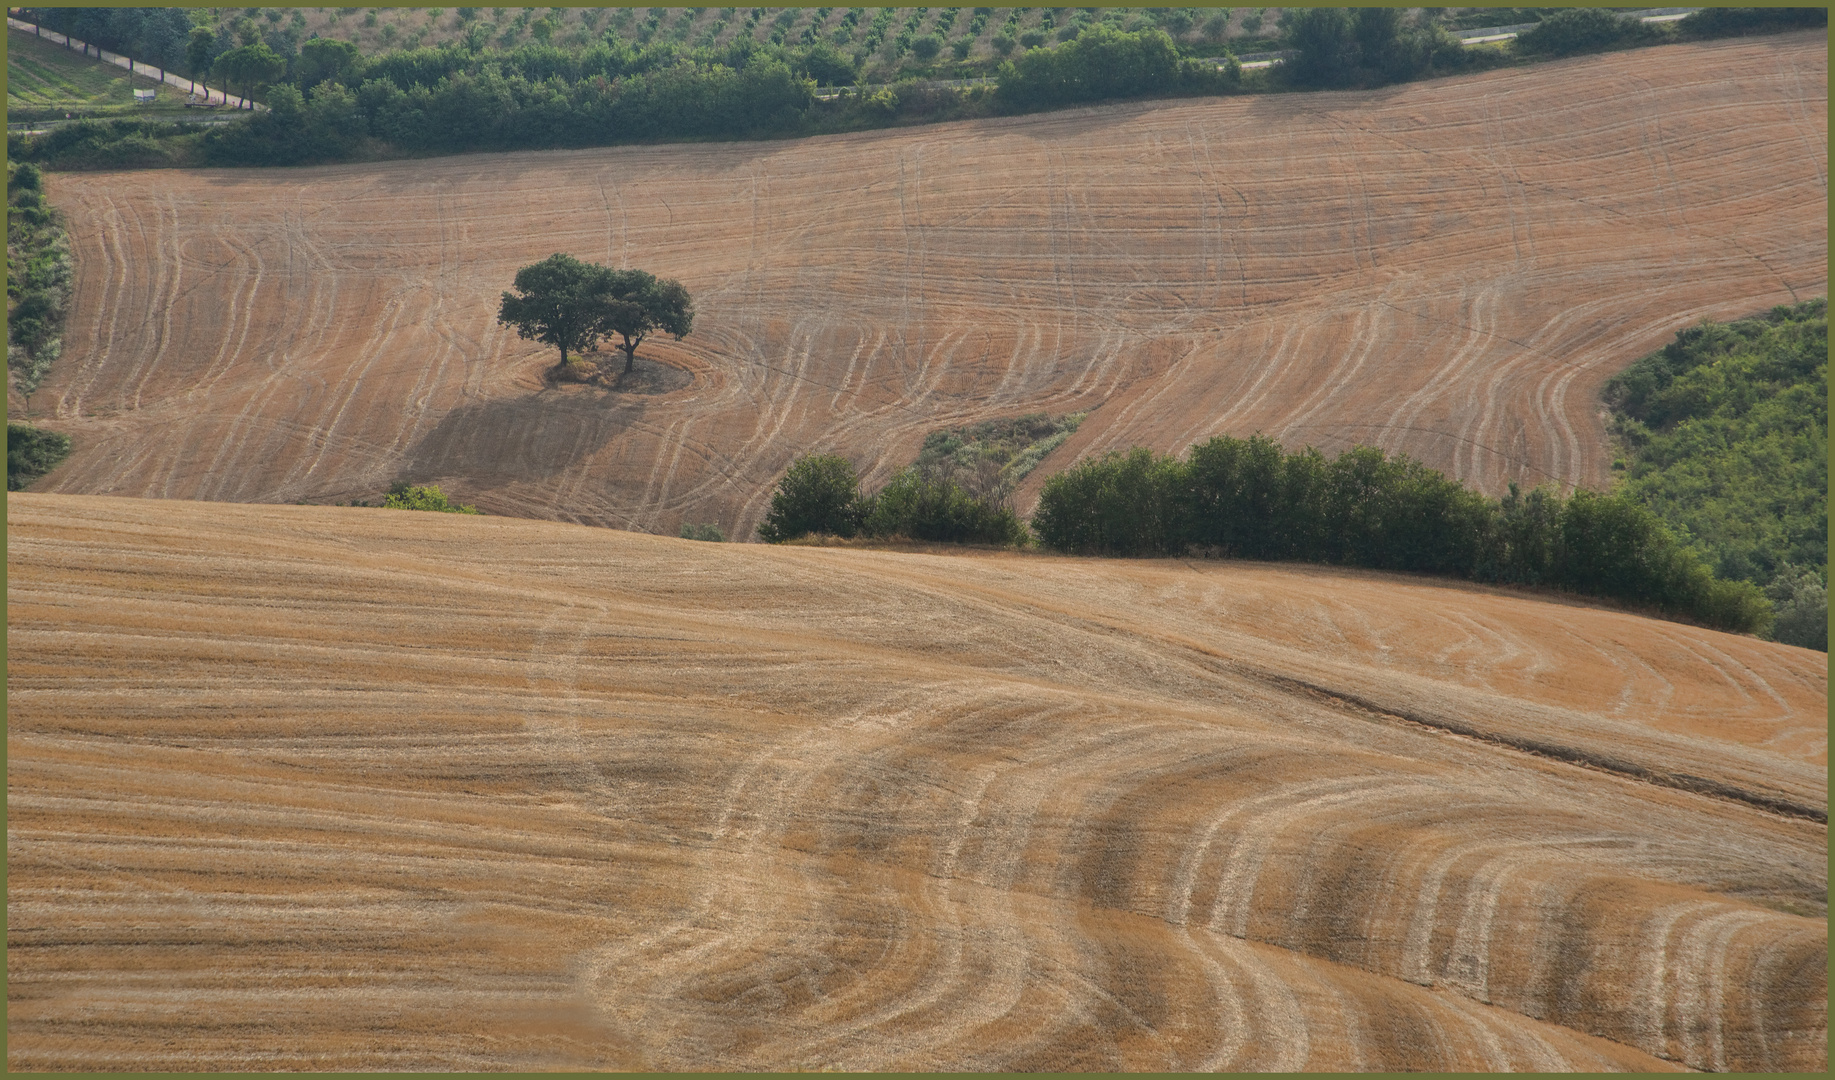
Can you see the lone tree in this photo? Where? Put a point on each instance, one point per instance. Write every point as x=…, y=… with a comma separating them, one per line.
x=640, y=302
x=571, y=304
x=561, y=304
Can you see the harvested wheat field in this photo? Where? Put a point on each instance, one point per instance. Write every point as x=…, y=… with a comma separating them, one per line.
x=1449, y=269
x=338, y=788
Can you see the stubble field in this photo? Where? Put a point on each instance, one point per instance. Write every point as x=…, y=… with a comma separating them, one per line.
x=319, y=787
x=1447, y=269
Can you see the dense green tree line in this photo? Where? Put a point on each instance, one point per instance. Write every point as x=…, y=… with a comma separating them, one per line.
x=157, y=36
x=1725, y=436
x=330, y=103
x=1251, y=499
x=38, y=279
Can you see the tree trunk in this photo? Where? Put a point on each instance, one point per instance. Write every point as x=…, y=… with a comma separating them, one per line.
x=630, y=355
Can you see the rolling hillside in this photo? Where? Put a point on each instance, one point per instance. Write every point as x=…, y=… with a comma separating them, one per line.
x=1448, y=269
x=340, y=788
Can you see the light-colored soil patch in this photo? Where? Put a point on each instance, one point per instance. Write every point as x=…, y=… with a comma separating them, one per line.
x=343, y=788
x=1448, y=269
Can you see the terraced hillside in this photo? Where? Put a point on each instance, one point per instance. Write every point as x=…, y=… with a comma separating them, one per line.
x=1449, y=269
x=337, y=788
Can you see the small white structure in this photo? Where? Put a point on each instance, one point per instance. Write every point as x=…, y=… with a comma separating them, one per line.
x=144, y=97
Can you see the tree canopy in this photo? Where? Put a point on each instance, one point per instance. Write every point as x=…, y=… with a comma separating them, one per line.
x=639, y=303
x=572, y=304
x=560, y=303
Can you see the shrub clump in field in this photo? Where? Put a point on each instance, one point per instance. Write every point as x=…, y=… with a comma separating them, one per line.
x=405, y=496
x=709, y=532
x=32, y=452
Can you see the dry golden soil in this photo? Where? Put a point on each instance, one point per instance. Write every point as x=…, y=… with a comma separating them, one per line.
x=1449, y=269
x=341, y=788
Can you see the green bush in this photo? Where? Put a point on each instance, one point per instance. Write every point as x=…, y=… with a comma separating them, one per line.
x=32, y=452
x=1801, y=600
x=920, y=507
x=403, y=496
x=709, y=532
x=1730, y=22
x=1117, y=504
x=819, y=494
x=1724, y=432
x=1104, y=64
x=1582, y=30
x=1249, y=498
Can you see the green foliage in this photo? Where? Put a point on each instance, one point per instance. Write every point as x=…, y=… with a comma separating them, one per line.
x=151, y=35
x=1725, y=433
x=1801, y=600
x=38, y=279
x=637, y=302
x=819, y=494
x=1249, y=498
x=922, y=506
x=31, y=453
x=1583, y=30
x=249, y=69
x=1117, y=504
x=1350, y=47
x=1104, y=64
x=558, y=301
x=1732, y=22
x=709, y=532
x=990, y=458
x=405, y=496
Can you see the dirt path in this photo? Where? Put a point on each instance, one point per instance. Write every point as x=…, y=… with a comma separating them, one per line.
x=404, y=790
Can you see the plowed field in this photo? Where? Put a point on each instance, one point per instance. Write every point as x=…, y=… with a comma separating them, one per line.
x=1448, y=269
x=313, y=787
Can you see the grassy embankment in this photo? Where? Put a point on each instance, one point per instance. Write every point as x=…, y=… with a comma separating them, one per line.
x=48, y=82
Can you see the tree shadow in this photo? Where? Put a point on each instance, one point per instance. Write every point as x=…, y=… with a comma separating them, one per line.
x=529, y=439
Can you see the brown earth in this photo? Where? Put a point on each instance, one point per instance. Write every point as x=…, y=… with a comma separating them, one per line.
x=337, y=788
x=1448, y=269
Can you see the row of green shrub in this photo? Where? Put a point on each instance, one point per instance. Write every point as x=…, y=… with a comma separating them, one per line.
x=1249, y=498
x=338, y=105
x=821, y=494
x=1363, y=47
x=38, y=279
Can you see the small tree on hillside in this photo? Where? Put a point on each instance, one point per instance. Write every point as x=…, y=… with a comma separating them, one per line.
x=248, y=69
x=820, y=494
x=571, y=304
x=562, y=303
x=639, y=302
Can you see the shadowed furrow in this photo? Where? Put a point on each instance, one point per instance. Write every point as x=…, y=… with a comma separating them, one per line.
x=300, y=787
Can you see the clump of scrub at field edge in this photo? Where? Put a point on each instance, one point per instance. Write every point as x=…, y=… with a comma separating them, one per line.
x=1724, y=434
x=38, y=280
x=990, y=458
x=31, y=453
x=404, y=496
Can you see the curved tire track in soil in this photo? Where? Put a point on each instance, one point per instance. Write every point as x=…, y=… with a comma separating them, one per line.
x=1202, y=267
x=407, y=790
